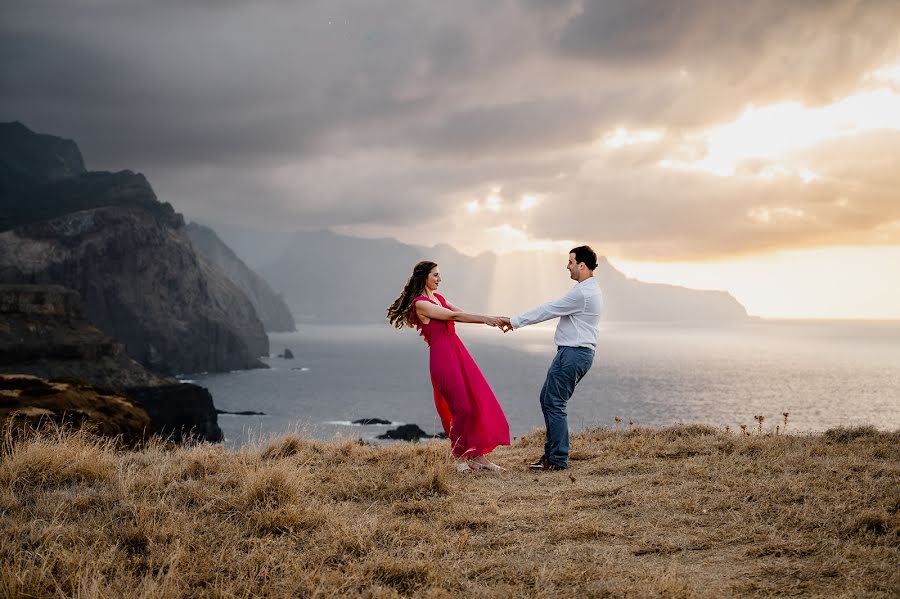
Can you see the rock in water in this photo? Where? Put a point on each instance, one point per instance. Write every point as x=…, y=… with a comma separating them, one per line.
x=367, y=421
x=405, y=432
x=241, y=413
x=288, y=354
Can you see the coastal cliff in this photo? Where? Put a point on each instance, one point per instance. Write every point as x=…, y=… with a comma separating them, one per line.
x=86, y=378
x=128, y=256
x=29, y=402
x=44, y=333
x=270, y=306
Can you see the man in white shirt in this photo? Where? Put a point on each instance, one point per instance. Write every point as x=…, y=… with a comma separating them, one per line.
x=576, y=339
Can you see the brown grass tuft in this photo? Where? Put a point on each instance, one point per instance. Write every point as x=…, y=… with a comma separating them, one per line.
x=850, y=434
x=685, y=511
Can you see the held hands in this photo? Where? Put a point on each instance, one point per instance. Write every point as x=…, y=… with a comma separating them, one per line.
x=501, y=322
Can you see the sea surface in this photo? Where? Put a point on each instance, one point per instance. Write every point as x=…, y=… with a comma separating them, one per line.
x=823, y=373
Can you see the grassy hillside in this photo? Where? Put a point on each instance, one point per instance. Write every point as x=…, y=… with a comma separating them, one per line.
x=686, y=511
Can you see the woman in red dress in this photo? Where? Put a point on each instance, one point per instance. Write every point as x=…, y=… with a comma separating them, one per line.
x=472, y=419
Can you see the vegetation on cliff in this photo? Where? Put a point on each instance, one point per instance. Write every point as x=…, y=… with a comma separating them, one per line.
x=28, y=402
x=687, y=511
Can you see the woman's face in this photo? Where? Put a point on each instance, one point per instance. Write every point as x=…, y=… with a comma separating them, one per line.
x=433, y=280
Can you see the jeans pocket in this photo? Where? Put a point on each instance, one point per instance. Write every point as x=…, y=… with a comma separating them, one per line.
x=583, y=363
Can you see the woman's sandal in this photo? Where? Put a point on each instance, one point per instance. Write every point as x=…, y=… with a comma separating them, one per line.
x=462, y=467
x=488, y=466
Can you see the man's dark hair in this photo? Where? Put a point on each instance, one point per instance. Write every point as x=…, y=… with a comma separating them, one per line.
x=584, y=253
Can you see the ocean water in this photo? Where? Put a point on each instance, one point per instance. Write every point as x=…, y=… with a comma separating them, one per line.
x=824, y=374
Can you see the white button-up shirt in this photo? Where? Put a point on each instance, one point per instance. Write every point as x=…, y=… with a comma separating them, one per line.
x=578, y=312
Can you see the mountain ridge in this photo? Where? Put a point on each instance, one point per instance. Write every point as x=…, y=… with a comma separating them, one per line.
x=328, y=277
x=128, y=256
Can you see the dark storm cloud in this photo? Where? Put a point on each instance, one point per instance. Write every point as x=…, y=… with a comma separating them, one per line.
x=738, y=52
x=328, y=113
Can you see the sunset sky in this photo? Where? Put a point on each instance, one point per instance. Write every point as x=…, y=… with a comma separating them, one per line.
x=752, y=147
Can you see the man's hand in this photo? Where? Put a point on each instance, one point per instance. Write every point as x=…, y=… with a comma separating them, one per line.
x=505, y=324
x=494, y=321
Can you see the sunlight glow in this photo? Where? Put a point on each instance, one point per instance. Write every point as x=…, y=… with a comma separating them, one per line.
x=493, y=203
x=766, y=215
x=807, y=176
x=623, y=137
x=527, y=203
x=510, y=239
x=778, y=129
x=887, y=74
x=473, y=207
x=830, y=282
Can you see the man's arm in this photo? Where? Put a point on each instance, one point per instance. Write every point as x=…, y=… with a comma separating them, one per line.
x=570, y=303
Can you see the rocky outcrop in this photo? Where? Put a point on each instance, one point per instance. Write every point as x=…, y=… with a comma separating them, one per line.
x=31, y=402
x=407, y=432
x=180, y=412
x=127, y=255
x=270, y=306
x=44, y=333
x=26, y=159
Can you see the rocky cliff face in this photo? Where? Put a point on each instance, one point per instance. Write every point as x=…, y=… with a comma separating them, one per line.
x=30, y=158
x=43, y=333
x=270, y=306
x=128, y=256
x=180, y=412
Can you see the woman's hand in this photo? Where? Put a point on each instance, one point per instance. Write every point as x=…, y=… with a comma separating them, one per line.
x=493, y=321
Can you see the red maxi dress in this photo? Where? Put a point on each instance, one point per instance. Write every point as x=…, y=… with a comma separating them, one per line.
x=472, y=418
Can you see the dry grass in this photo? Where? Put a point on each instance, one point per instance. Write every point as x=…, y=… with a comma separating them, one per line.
x=686, y=511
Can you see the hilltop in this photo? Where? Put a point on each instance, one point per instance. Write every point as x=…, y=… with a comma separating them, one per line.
x=687, y=511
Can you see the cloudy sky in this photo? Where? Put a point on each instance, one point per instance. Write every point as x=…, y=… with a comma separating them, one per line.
x=747, y=146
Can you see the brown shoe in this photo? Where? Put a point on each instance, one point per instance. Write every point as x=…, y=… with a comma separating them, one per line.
x=545, y=465
x=539, y=464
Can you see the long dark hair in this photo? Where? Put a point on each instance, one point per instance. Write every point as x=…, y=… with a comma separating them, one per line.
x=398, y=312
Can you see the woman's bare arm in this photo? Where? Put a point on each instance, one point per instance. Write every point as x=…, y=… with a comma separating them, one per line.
x=429, y=310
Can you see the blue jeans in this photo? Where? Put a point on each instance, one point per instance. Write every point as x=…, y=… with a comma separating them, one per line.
x=567, y=368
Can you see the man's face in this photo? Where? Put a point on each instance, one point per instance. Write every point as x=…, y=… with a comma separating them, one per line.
x=574, y=267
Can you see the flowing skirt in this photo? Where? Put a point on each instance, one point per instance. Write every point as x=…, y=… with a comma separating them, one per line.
x=472, y=418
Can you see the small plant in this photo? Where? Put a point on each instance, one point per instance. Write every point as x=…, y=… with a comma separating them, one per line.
x=785, y=414
x=618, y=422
x=759, y=419
x=744, y=430
x=727, y=429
